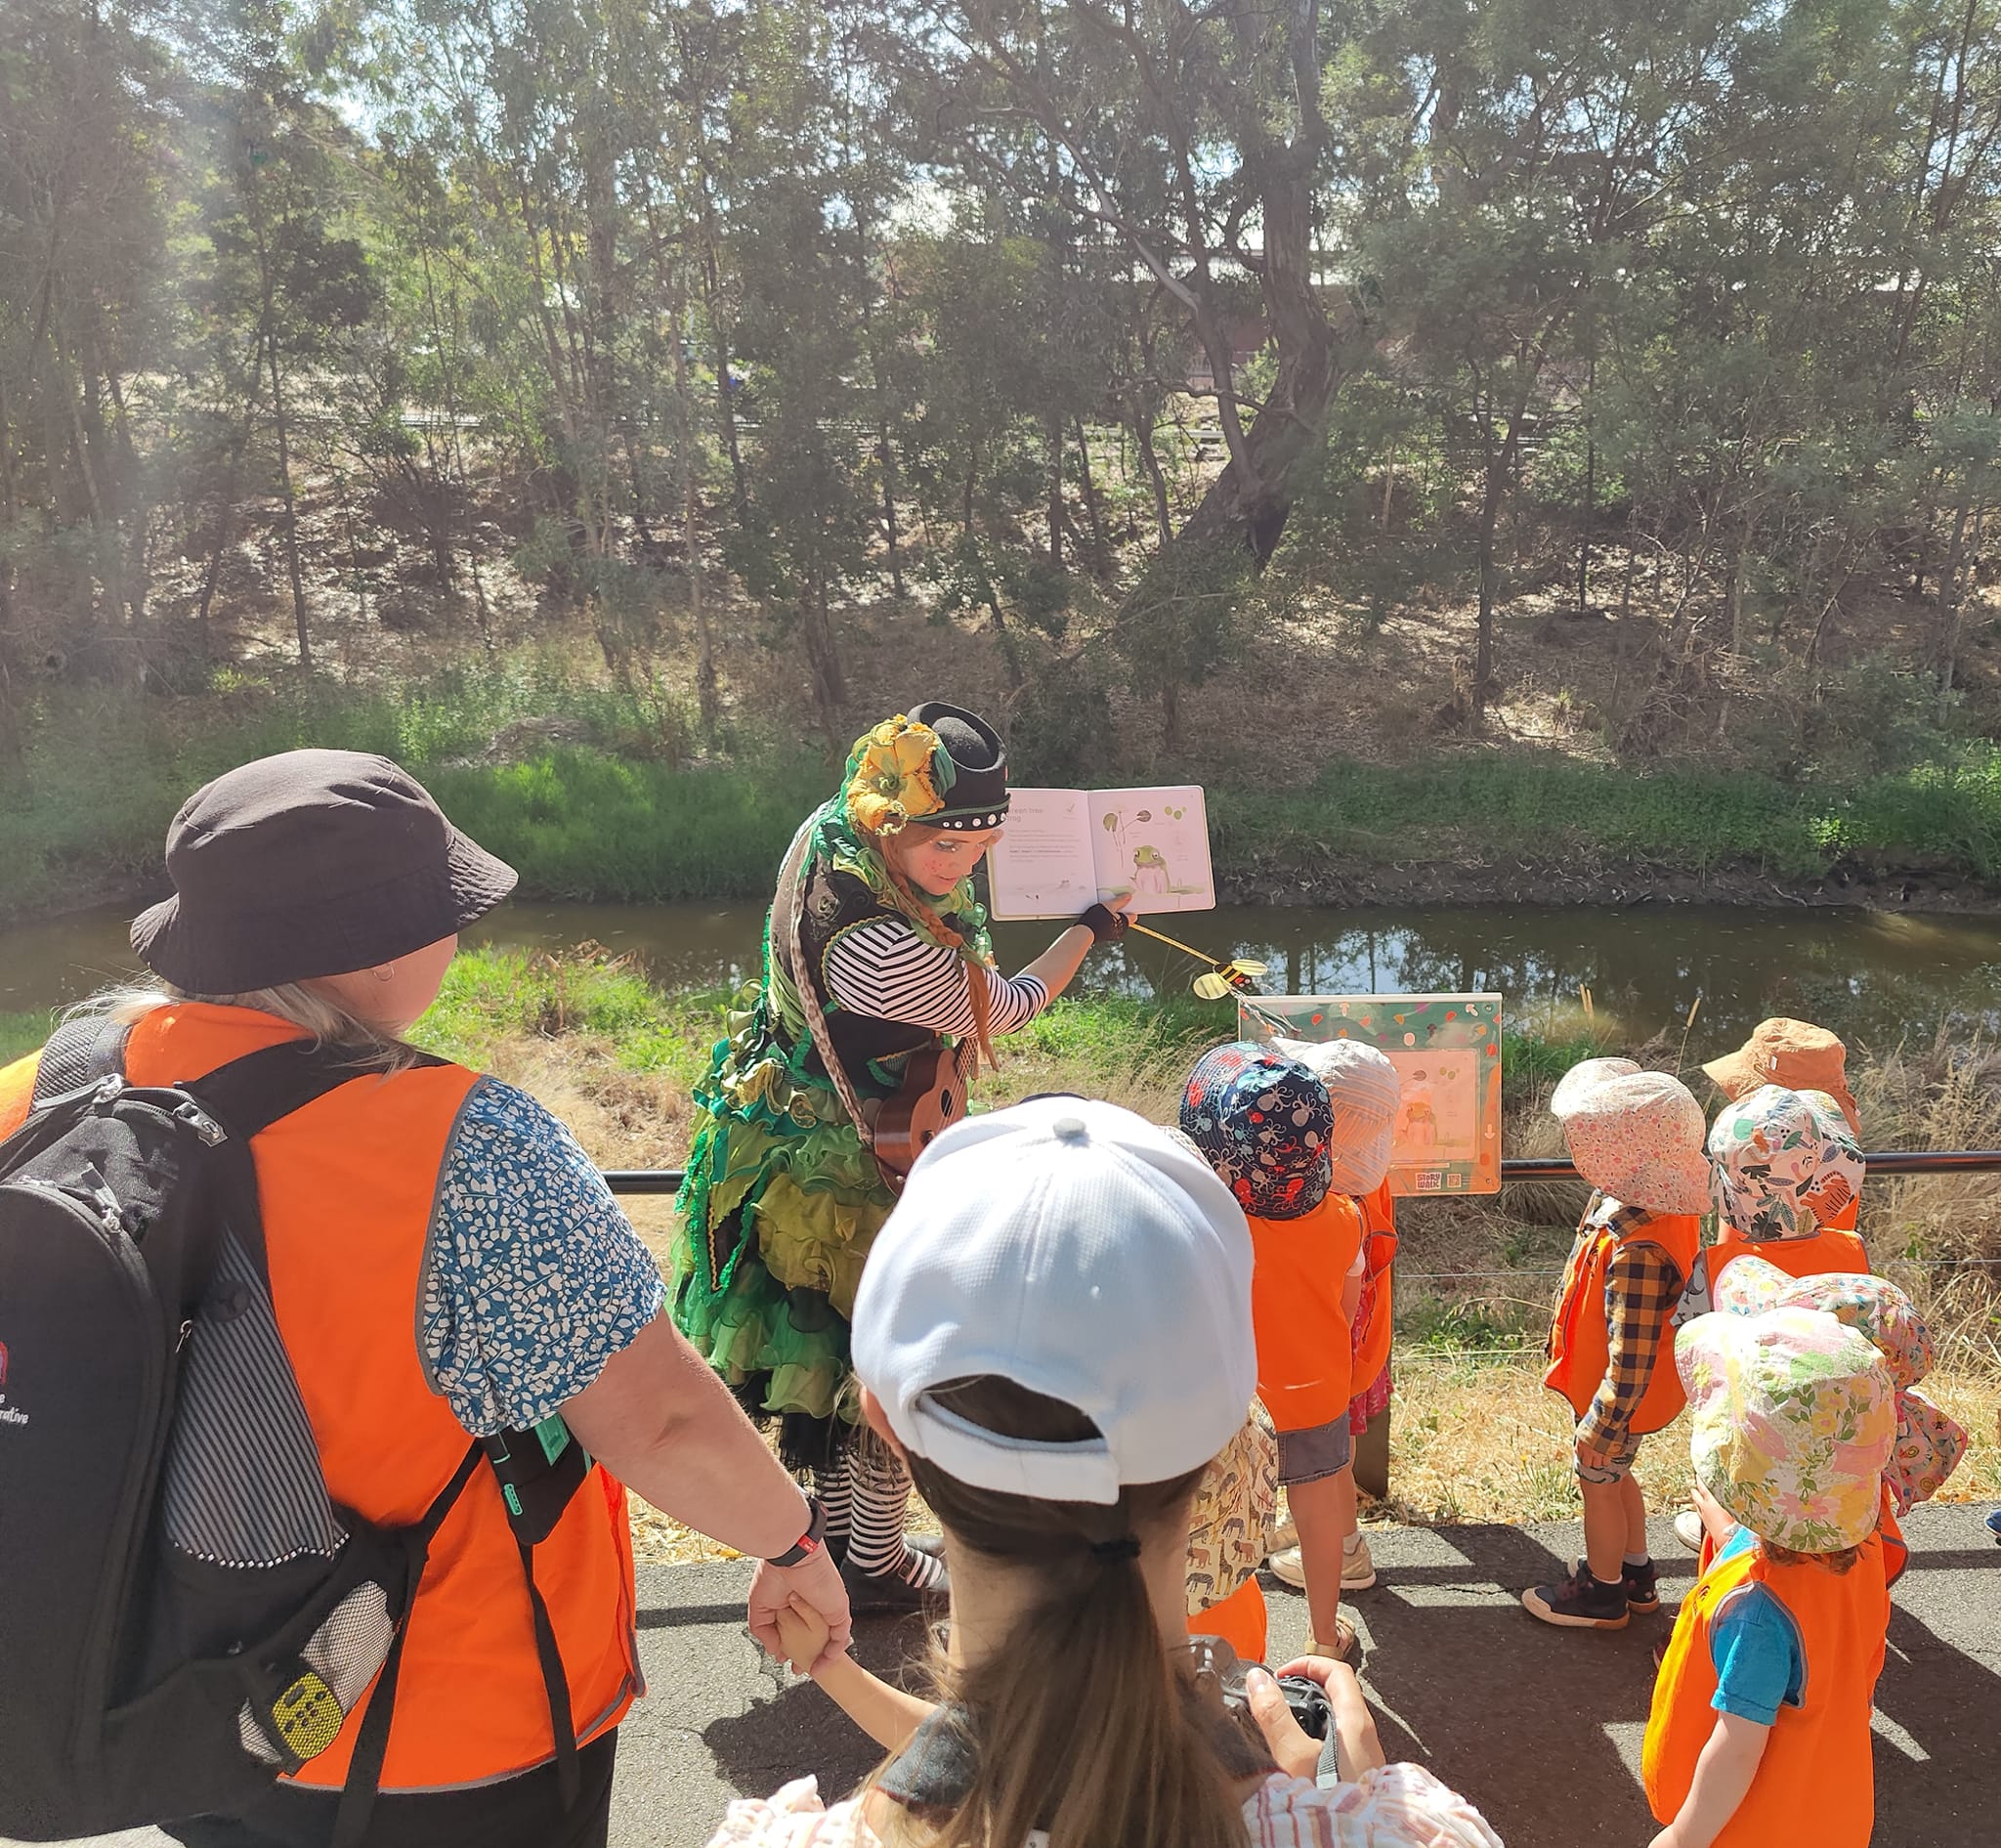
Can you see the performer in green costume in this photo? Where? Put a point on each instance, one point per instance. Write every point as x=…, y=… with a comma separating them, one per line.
x=782, y=1198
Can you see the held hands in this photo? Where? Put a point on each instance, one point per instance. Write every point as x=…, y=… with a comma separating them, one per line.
x=802, y=1634
x=814, y=1582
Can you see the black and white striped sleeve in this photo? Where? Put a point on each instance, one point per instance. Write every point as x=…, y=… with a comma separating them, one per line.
x=886, y=970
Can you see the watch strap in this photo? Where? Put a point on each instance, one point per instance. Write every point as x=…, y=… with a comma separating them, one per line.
x=808, y=1543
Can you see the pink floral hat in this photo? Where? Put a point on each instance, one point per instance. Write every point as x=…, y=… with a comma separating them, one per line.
x=1930, y=1442
x=1794, y=1421
x=1635, y=1134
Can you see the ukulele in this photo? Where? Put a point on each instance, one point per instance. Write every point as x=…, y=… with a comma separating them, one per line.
x=930, y=1099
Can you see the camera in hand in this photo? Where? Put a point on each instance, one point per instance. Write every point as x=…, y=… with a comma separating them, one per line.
x=1217, y=1662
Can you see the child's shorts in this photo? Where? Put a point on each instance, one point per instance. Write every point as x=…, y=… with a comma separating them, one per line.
x=1318, y=1451
x=1617, y=1467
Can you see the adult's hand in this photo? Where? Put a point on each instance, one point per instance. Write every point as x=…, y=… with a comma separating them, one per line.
x=817, y=1580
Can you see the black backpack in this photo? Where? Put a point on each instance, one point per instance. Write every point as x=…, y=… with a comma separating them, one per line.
x=184, y=1613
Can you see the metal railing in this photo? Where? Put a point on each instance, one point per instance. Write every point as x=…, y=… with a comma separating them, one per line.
x=1896, y=1161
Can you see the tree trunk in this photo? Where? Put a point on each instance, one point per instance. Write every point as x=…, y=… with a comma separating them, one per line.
x=684, y=409
x=1100, y=551
x=822, y=662
x=9, y=508
x=1490, y=578
x=1052, y=441
x=719, y=341
x=1149, y=456
x=1950, y=599
x=284, y=483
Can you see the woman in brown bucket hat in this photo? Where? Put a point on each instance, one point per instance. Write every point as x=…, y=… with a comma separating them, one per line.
x=443, y=1260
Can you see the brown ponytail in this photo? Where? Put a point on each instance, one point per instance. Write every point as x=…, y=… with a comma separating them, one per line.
x=1083, y=1726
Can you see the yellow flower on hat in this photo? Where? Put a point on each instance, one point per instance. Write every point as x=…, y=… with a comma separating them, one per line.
x=892, y=781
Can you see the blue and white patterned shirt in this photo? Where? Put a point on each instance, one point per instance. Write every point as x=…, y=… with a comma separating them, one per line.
x=534, y=1279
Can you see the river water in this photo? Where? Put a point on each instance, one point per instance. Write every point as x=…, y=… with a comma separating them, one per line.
x=1874, y=977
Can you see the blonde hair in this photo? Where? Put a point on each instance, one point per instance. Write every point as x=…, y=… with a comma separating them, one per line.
x=324, y=1021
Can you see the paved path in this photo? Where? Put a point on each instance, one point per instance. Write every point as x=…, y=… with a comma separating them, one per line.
x=1540, y=1727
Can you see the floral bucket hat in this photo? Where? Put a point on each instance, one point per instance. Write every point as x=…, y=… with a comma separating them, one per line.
x=1794, y=1421
x=1363, y=1091
x=1635, y=1134
x=1785, y=1162
x=1262, y=1122
x=1930, y=1442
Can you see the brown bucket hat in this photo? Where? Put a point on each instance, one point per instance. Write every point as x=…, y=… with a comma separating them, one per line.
x=309, y=863
x=1794, y=1055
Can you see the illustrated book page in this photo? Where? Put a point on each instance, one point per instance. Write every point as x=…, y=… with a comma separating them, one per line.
x=1447, y=1051
x=1064, y=851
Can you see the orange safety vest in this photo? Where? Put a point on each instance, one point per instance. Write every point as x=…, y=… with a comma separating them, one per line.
x=1580, y=1347
x=1815, y=1787
x=1835, y=1247
x=1372, y=1337
x=1305, y=1352
x=347, y=1187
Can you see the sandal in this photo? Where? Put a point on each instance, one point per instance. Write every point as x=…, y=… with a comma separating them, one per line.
x=1341, y=1648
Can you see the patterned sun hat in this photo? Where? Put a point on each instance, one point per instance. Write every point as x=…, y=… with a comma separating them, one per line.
x=1794, y=1421
x=1262, y=1122
x=1635, y=1134
x=1363, y=1089
x=1930, y=1442
x=1785, y=1162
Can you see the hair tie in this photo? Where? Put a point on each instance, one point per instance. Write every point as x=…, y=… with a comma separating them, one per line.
x=1113, y=1552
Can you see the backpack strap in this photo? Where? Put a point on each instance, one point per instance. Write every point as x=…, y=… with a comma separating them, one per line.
x=79, y=1053
x=249, y=1094
x=371, y=1741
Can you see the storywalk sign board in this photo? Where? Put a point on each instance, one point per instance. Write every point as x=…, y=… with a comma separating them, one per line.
x=1447, y=1051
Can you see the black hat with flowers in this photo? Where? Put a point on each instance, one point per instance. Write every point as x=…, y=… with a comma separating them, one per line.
x=976, y=794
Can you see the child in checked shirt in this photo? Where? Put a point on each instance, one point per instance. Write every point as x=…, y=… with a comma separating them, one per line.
x=1637, y=1137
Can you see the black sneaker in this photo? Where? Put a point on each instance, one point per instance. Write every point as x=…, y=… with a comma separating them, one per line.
x=1642, y=1592
x=1579, y=1603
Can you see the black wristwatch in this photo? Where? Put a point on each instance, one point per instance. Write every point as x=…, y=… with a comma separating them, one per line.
x=808, y=1543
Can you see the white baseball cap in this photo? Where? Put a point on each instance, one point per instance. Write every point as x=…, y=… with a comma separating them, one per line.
x=1079, y=1251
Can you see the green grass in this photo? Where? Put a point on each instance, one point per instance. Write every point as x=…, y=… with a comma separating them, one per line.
x=577, y=784
x=1550, y=807
x=491, y=995
x=22, y=1033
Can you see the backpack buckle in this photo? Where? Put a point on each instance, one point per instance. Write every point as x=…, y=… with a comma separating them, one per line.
x=106, y=1089
x=201, y=1122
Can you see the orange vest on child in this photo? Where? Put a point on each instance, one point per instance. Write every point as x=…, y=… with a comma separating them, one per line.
x=1581, y=1348
x=1304, y=1351
x=1814, y=1787
x=1835, y=1247
x=347, y=1187
x=1372, y=1337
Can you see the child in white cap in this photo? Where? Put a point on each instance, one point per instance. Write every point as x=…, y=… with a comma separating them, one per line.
x=1054, y=1328
x=1637, y=1138
x=1759, y=1736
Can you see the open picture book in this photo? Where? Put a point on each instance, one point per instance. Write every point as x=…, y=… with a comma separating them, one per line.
x=1064, y=851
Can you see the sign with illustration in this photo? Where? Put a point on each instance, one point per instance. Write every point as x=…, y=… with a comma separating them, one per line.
x=1064, y=851
x=1447, y=1051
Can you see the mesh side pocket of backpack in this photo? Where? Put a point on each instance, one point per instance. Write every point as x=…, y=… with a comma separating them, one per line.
x=243, y=1486
x=344, y=1653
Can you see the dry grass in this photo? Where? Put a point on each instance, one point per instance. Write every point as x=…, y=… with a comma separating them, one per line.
x=1474, y=1437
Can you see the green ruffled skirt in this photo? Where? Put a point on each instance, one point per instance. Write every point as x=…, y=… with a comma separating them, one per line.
x=779, y=1208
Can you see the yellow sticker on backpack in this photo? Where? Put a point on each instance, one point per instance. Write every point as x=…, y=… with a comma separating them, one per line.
x=308, y=1716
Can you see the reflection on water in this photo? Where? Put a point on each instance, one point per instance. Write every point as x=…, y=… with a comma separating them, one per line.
x=1873, y=977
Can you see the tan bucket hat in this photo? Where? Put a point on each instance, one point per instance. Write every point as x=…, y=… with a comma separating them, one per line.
x=1792, y=1054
